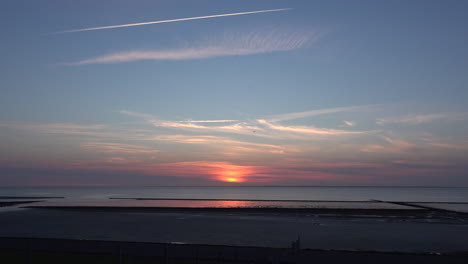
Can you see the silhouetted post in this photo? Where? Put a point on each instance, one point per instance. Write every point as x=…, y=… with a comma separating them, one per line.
x=166, y=257
x=120, y=254
x=296, y=245
x=29, y=255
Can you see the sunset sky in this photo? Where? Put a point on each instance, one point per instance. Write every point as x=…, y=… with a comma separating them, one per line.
x=362, y=93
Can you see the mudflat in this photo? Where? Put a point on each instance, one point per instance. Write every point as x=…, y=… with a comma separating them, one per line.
x=334, y=231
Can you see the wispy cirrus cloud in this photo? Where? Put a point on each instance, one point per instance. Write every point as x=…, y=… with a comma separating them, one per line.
x=60, y=128
x=415, y=119
x=349, y=123
x=391, y=146
x=422, y=164
x=462, y=146
x=257, y=128
x=208, y=121
x=107, y=131
x=257, y=149
x=299, y=115
x=221, y=142
x=120, y=148
x=238, y=127
x=308, y=130
x=230, y=44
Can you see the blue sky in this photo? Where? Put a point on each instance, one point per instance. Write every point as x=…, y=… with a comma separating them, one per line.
x=325, y=93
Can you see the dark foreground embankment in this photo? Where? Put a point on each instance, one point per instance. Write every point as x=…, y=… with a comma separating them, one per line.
x=40, y=250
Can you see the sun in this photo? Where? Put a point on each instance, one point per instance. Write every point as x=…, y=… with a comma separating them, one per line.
x=230, y=173
x=231, y=179
x=231, y=176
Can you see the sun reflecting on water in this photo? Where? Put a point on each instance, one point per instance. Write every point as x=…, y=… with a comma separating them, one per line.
x=232, y=204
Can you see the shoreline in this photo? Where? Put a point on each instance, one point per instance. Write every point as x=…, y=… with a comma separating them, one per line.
x=371, y=207
x=274, y=200
x=343, y=212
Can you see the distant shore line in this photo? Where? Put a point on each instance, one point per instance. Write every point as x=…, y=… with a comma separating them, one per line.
x=273, y=200
x=322, y=212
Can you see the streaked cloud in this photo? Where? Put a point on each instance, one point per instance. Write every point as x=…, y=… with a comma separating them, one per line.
x=108, y=147
x=171, y=20
x=349, y=123
x=208, y=121
x=461, y=146
x=116, y=131
x=221, y=142
x=257, y=128
x=390, y=145
x=253, y=150
x=298, y=115
x=230, y=44
x=308, y=129
x=60, y=128
x=423, y=164
x=238, y=127
x=415, y=119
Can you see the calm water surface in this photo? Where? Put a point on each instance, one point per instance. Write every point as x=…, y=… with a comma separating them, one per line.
x=420, y=194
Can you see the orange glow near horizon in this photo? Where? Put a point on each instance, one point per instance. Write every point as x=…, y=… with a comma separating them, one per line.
x=232, y=173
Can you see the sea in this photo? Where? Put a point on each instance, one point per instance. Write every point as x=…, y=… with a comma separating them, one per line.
x=276, y=193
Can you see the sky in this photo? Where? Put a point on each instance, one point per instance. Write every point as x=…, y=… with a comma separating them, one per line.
x=233, y=93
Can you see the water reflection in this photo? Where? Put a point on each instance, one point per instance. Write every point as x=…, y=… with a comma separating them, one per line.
x=223, y=204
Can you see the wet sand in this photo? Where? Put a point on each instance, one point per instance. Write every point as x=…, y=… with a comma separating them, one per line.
x=336, y=230
x=144, y=231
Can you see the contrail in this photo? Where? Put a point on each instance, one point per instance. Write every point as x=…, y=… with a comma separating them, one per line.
x=169, y=21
